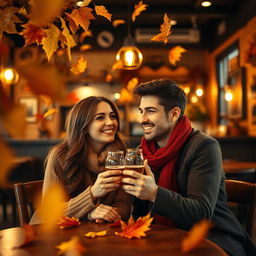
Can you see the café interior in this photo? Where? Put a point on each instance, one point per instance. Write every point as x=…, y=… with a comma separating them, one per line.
x=210, y=51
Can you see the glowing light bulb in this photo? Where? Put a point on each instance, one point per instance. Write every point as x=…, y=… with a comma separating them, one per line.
x=117, y=95
x=9, y=76
x=194, y=99
x=129, y=58
x=199, y=92
x=187, y=90
x=228, y=96
x=206, y=3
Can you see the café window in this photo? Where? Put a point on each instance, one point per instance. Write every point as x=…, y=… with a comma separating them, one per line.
x=231, y=85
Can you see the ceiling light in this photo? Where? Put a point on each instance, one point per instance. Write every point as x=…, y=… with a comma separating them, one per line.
x=174, y=22
x=9, y=76
x=206, y=3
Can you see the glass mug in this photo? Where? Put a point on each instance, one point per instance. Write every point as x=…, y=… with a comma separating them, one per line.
x=115, y=160
x=134, y=160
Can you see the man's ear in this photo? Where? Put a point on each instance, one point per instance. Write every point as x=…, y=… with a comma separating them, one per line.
x=174, y=114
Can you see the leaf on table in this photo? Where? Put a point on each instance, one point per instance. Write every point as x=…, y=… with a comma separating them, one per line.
x=71, y=247
x=7, y=162
x=175, y=54
x=50, y=42
x=45, y=11
x=68, y=38
x=102, y=11
x=33, y=33
x=14, y=120
x=195, y=236
x=82, y=17
x=67, y=222
x=165, y=31
x=115, y=224
x=85, y=47
x=8, y=20
x=132, y=83
x=44, y=79
x=135, y=229
x=85, y=34
x=52, y=207
x=138, y=8
x=96, y=234
x=80, y=66
x=116, y=23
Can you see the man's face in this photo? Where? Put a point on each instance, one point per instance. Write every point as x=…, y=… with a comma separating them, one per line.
x=156, y=124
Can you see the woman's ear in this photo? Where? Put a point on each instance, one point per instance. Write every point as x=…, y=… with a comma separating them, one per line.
x=174, y=114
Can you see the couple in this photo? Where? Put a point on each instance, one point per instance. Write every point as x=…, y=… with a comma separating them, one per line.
x=183, y=181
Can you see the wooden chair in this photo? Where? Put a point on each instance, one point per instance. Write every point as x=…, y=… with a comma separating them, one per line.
x=25, y=195
x=242, y=192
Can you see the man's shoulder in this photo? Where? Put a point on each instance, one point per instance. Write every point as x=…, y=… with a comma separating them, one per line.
x=197, y=137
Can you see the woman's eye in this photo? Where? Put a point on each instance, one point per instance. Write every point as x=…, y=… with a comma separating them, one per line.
x=113, y=116
x=100, y=118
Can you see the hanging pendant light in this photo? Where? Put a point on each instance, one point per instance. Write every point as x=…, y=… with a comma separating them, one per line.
x=129, y=56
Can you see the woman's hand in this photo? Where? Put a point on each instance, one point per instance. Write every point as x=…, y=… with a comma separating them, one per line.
x=104, y=213
x=106, y=181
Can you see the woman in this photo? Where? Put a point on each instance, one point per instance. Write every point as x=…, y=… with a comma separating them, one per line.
x=78, y=163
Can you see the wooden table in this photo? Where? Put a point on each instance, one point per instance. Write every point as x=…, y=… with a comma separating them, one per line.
x=160, y=241
x=238, y=166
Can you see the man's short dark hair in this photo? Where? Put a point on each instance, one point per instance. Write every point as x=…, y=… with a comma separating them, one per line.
x=169, y=93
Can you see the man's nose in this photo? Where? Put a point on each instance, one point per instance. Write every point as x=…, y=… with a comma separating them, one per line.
x=143, y=118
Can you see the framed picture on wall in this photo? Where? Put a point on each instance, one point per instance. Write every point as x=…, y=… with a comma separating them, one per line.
x=31, y=104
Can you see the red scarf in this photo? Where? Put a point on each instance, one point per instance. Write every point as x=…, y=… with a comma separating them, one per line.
x=165, y=159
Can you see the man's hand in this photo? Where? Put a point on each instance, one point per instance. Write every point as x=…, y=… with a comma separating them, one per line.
x=104, y=213
x=142, y=186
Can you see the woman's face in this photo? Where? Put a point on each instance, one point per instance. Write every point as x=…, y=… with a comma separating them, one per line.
x=103, y=127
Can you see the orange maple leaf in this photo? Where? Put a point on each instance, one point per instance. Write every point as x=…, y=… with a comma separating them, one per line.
x=80, y=66
x=95, y=234
x=85, y=47
x=116, y=23
x=138, y=8
x=67, y=222
x=195, y=236
x=85, y=34
x=165, y=31
x=72, y=25
x=135, y=229
x=101, y=10
x=175, y=54
x=132, y=83
x=82, y=17
x=33, y=33
x=115, y=224
x=71, y=247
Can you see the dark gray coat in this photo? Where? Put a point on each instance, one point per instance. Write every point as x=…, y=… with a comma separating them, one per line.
x=201, y=195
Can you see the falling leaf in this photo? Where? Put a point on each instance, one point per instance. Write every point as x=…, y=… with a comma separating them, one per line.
x=80, y=66
x=33, y=34
x=23, y=11
x=165, y=31
x=132, y=83
x=66, y=222
x=175, y=54
x=85, y=47
x=50, y=42
x=125, y=96
x=44, y=79
x=116, y=23
x=115, y=224
x=69, y=39
x=195, y=236
x=8, y=20
x=138, y=8
x=45, y=11
x=85, y=34
x=117, y=65
x=7, y=162
x=95, y=234
x=17, y=238
x=52, y=207
x=72, y=25
x=101, y=10
x=50, y=112
x=14, y=120
x=71, y=247
x=135, y=229
x=82, y=17
x=108, y=77
x=73, y=97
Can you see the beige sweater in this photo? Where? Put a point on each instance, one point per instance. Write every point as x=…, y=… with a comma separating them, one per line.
x=82, y=204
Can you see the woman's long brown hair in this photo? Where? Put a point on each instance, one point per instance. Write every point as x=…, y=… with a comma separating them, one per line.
x=70, y=163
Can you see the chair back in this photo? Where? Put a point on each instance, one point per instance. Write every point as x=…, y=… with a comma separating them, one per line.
x=242, y=192
x=26, y=194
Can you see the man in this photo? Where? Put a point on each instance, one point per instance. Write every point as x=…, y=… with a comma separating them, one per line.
x=186, y=183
